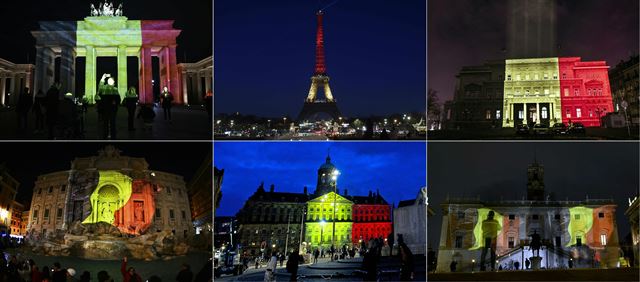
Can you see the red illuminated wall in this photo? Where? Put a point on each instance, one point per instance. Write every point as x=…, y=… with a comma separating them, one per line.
x=159, y=40
x=602, y=225
x=370, y=221
x=137, y=214
x=584, y=90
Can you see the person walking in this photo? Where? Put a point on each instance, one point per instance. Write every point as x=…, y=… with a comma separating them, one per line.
x=406, y=258
x=110, y=100
x=129, y=275
x=130, y=101
x=316, y=254
x=269, y=274
x=38, y=110
x=527, y=263
x=166, y=100
x=452, y=266
x=281, y=258
x=292, y=265
x=25, y=102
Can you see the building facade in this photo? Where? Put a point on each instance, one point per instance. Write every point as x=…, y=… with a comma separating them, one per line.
x=8, y=190
x=197, y=80
x=583, y=232
x=586, y=95
x=13, y=78
x=632, y=214
x=625, y=86
x=271, y=220
x=200, y=190
x=477, y=100
x=16, y=218
x=226, y=231
x=410, y=221
x=24, y=223
x=111, y=188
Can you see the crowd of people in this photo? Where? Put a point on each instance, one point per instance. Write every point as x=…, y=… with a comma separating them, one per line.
x=28, y=271
x=62, y=116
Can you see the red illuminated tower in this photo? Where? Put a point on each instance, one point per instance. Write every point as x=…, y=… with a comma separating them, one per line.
x=314, y=108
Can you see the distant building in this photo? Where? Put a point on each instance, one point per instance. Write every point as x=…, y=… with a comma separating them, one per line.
x=226, y=231
x=13, y=78
x=200, y=190
x=24, y=223
x=625, y=83
x=584, y=232
x=477, y=100
x=632, y=214
x=110, y=188
x=8, y=190
x=16, y=218
x=410, y=220
x=197, y=79
x=218, y=175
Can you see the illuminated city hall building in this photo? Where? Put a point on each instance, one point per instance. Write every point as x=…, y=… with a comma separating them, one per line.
x=273, y=220
x=114, y=189
x=553, y=90
x=583, y=232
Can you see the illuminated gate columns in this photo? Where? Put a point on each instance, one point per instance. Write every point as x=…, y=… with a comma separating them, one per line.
x=107, y=36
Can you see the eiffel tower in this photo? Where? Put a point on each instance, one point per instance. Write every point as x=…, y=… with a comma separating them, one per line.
x=314, y=108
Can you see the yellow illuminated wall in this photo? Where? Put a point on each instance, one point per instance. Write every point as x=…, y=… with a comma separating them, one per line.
x=319, y=222
x=580, y=224
x=478, y=231
x=112, y=193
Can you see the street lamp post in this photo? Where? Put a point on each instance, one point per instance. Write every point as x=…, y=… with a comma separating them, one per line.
x=335, y=187
x=301, y=228
x=286, y=240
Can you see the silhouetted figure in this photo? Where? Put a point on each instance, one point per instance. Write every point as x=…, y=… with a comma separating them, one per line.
x=292, y=265
x=130, y=101
x=490, y=229
x=527, y=263
x=68, y=117
x=185, y=274
x=535, y=243
x=281, y=259
x=517, y=265
x=370, y=262
x=25, y=102
x=269, y=274
x=39, y=105
x=452, y=266
x=110, y=100
x=148, y=115
x=570, y=263
x=129, y=275
x=52, y=102
x=406, y=259
x=316, y=254
x=103, y=276
x=166, y=99
x=85, y=277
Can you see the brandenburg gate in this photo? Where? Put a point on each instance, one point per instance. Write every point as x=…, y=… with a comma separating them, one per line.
x=107, y=33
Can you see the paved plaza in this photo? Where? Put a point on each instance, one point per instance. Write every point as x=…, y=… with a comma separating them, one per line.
x=187, y=123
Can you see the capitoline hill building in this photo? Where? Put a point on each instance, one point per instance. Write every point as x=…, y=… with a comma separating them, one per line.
x=112, y=188
x=583, y=232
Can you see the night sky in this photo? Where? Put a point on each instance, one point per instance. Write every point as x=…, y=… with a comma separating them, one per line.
x=469, y=32
x=29, y=160
x=497, y=171
x=20, y=17
x=265, y=55
x=398, y=169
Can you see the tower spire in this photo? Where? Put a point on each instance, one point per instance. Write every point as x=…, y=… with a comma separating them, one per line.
x=329, y=155
x=320, y=65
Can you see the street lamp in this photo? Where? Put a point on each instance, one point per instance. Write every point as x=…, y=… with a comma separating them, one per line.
x=334, y=174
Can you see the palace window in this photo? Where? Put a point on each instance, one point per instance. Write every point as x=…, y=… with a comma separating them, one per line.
x=603, y=239
x=526, y=92
x=35, y=215
x=184, y=215
x=568, y=113
x=511, y=242
x=508, y=77
x=557, y=216
x=534, y=217
x=546, y=76
x=566, y=92
x=546, y=91
x=577, y=217
x=555, y=76
x=158, y=214
x=498, y=114
x=63, y=187
x=590, y=113
x=520, y=114
x=46, y=214
x=578, y=113
x=537, y=91
x=487, y=114
x=564, y=75
x=576, y=92
x=50, y=189
x=600, y=215
x=544, y=113
x=518, y=92
x=518, y=77
x=458, y=242
x=537, y=76
x=527, y=77
x=59, y=214
x=460, y=215
x=172, y=216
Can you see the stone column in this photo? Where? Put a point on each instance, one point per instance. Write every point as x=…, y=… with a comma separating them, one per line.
x=122, y=71
x=146, y=87
x=208, y=83
x=2, y=89
x=44, y=69
x=537, y=112
x=90, y=80
x=198, y=83
x=172, y=74
x=68, y=69
x=185, y=92
x=12, y=90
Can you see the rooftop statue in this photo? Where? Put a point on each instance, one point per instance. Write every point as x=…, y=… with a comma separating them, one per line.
x=106, y=9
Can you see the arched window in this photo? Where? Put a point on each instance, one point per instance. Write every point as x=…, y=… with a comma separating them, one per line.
x=544, y=113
